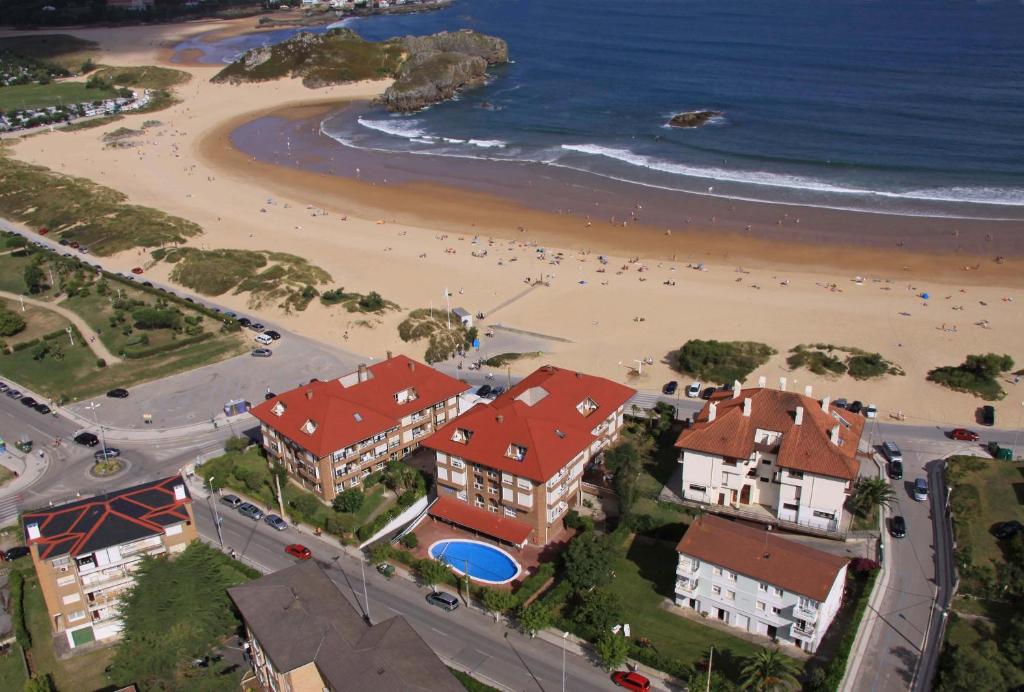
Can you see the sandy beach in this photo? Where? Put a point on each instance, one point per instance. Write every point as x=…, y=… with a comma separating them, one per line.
x=410, y=241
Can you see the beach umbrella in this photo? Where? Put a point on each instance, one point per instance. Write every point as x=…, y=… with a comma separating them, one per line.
x=925, y=296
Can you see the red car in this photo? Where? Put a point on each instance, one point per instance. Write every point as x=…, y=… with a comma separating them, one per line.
x=299, y=551
x=631, y=681
x=44, y=231
x=963, y=434
x=136, y=270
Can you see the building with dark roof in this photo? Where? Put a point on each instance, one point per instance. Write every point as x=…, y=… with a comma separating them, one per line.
x=331, y=435
x=85, y=552
x=303, y=635
x=510, y=469
x=758, y=581
x=788, y=456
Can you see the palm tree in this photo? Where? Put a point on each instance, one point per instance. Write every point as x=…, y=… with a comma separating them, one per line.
x=869, y=493
x=769, y=671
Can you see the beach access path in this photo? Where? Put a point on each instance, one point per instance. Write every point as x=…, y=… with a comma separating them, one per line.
x=92, y=339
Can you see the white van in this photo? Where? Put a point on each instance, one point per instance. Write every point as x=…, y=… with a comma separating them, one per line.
x=264, y=339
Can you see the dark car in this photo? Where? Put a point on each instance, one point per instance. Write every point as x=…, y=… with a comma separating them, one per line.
x=898, y=527
x=484, y=390
x=189, y=299
x=708, y=392
x=147, y=284
x=256, y=327
x=107, y=453
x=12, y=554
x=14, y=394
x=244, y=321
x=64, y=241
x=268, y=396
x=247, y=509
x=272, y=334
x=896, y=470
x=963, y=434
x=1006, y=530
x=670, y=388
x=275, y=522
x=87, y=439
x=443, y=600
x=3, y=387
x=43, y=409
x=28, y=401
x=496, y=392
x=119, y=393
x=855, y=407
x=839, y=403
x=631, y=681
x=988, y=415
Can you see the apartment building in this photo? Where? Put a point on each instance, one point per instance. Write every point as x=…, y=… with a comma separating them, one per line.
x=757, y=581
x=304, y=636
x=511, y=468
x=86, y=552
x=790, y=456
x=331, y=435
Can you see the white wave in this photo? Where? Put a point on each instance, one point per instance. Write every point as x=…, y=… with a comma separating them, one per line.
x=452, y=140
x=409, y=129
x=488, y=143
x=997, y=196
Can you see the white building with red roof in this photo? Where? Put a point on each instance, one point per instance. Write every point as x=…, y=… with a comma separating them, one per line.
x=511, y=468
x=330, y=435
x=779, y=451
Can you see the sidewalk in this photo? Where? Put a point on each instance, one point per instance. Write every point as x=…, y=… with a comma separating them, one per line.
x=30, y=468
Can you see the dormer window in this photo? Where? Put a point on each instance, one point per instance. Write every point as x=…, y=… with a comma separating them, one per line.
x=516, y=452
x=309, y=427
x=462, y=436
x=586, y=407
x=406, y=395
x=279, y=409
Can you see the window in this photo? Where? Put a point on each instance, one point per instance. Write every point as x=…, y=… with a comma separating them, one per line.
x=698, y=488
x=509, y=512
x=457, y=463
x=777, y=591
x=586, y=407
x=776, y=610
x=762, y=587
x=731, y=576
x=462, y=436
x=790, y=506
x=717, y=571
x=716, y=590
x=796, y=474
x=524, y=484
x=516, y=452
x=309, y=427
x=825, y=515
x=760, y=606
x=77, y=615
x=730, y=595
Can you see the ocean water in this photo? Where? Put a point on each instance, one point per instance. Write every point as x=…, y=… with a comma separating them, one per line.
x=912, y=107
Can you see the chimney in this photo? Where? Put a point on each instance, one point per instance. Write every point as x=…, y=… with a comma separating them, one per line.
x=798, y=419
x=389, y=354
x=33, y=531
x=735, y=389
x=362, y=373
x=500, y=418
x=807, y=390
x=835, y=435
x=762, y=381
x=179, y=492
x=712, y=411
x=309, y=393
x=825, y=403
x=412, y=366
x=747, y=407
x=782, y=384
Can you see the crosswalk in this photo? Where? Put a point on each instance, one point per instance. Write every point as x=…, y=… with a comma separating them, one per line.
x=9, y=508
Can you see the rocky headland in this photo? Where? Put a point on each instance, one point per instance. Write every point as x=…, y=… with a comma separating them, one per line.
x=693, y=118
x=426, y=69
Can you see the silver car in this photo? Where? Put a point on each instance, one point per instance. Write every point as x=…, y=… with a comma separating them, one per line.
x=247, y=509
x=275, y=522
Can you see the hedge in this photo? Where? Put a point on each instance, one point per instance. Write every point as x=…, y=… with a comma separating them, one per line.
x=533, y=583
x=170, y=346
x=17, y=586
x=372, y=527
x=837, y=666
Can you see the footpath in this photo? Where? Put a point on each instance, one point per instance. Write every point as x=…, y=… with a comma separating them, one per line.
x=92, y=339
x=29, y=469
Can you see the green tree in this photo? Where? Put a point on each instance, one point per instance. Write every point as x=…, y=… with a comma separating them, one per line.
x=349, y=500
x=400, y=476
x=498, y=601
x=306, y=506
x=597, y=611
x=34, y=278
x=969, y=668
x=871, y=492
x=156, y=318
x=431, y=572
x=40, y=683
x=410, y=540
x=587, y=560
x=534, y=617
x=611, y=649
x=769, y=671
x=371, y=302
x=236, y=443
x=10, y=322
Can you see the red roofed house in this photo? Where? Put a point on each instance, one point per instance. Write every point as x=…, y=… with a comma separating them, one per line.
x=511, y=468
x=794, y=456
x=85, y=552
x=758, y=581
x=330, y=435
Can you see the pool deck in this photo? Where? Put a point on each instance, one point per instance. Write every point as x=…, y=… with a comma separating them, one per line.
x=529, y=558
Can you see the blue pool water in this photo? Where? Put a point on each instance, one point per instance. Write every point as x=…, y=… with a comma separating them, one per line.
x=483, y=562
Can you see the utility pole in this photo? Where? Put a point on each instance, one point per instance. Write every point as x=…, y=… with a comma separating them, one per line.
x=366, y=597
x=565, y=635
x=711, y=659
x=103, y=440
x=448, y=308
x=216, y=514
x=280, y=500
x=71, y=337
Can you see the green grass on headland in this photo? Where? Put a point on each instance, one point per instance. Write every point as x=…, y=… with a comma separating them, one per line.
x=25, y=96
x=432, y=325
x=720, y=362
x=144, y=77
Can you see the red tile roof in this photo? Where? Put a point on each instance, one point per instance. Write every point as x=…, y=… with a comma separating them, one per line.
x=762, y=555
x=540, y=413
x=488, y=523
x=347, y=411
x=106, y=520
x=804, y=447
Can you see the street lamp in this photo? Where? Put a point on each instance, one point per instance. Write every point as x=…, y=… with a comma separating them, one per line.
x=565, y=635
x=103, y=440
x=366, y=597
x=216, y=514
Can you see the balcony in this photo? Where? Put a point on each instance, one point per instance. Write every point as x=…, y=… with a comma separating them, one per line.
x=805, y=630
x=687, y=585
x=686, y=567
x=804, y=611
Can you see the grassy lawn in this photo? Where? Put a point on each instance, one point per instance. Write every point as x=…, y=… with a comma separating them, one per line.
x=1000, y=486
x=12, y=669
x=37, y=322
x=24, y=96
x=866, y=523
x=12, y=267
x=84, y=671
x=5, y=475
x=644, y=578
x=147, y=77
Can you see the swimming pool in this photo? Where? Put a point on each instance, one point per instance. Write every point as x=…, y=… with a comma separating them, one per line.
x=484, y=563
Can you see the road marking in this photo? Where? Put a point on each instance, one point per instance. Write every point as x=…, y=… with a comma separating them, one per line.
x=443, y=634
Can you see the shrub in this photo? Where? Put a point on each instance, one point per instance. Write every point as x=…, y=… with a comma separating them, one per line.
x=373, y=479
x=533, y=583
x=349, y=500
x=976, y=375
x=837, y=666
x=306, y=506
x=721, y=361
x=156, y=318
x=17, y=587
x=535, y=617
x=611, y=649
x=236, y=443
x=410, y=540
x=10, y=322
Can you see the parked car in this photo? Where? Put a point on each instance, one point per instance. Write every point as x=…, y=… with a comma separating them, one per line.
x=107, y=453
x=247, y=509
x=496, y=392
x=693, y=391
x=228, y=313
x=892, y=452
x=275, y=522
x=261, y=353
x=840, y=403
x=631, y=681
x=244, y=321
x=1006, y=530
x=86, y=439
x=484, y=390
x=896, y=470
x=119, y=393
x=256, y=326
x=299, y=551
x=12, y=554
x=232, y=501
x=855, y=407
x=443, y=600
x=136, y=270
x=870, y=411
x=272, y=334
x=708, y=392
x=42, y=408
x=28, y=401
x=44, y=231
x=898, y=527
x=670, y=388
x=64, y=241
x=263, y=339
x=921, y=489
x=147, y=284
x=988, y=415
x=3, y=387
x=963, y=434
x=268, y=396
x=14, y=394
